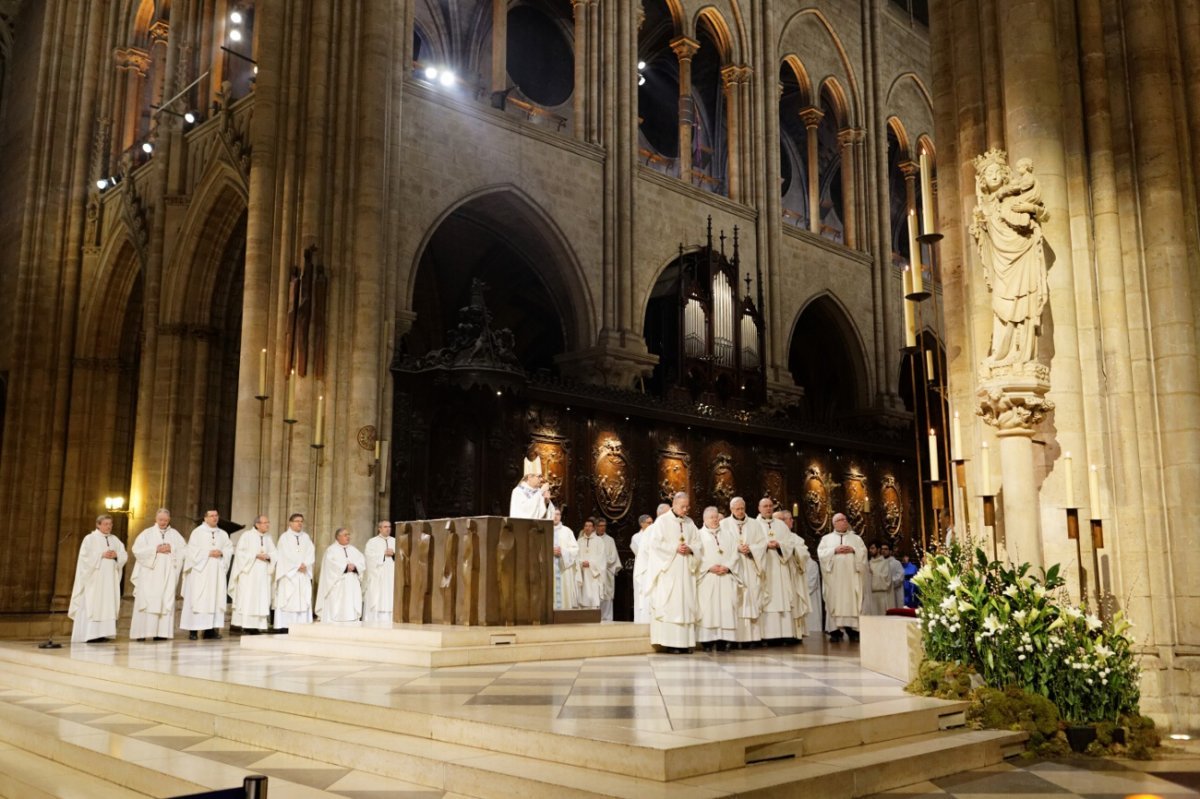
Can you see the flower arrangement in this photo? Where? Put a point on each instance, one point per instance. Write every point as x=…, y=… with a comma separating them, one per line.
x=1016, y=628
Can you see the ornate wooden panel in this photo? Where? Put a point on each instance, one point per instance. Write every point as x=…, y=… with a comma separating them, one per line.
x=816, y=500
x=674, y=473
x=774, y=484
x=721, y=479
x=613, y=477
x=854, y=487
x=892, y=513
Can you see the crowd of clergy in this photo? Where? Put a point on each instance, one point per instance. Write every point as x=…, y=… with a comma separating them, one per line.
x=270, y=582
x=737, y=580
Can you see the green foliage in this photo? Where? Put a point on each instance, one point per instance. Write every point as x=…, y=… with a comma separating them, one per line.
x=1017, y=628
x=1012, y=708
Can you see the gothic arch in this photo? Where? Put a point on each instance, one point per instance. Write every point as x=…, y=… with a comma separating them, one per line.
x=518, y=219
x=218, y=205
x=896, y=128
x=833, y=93
x=854, y=100
x=714, y=20
x=826, y=308
x=99, y=333
x=794, y=63
x=656, y=276
x=909, y=81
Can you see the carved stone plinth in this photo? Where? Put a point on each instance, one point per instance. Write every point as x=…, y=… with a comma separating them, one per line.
x=482, y=570
x=1012, y=399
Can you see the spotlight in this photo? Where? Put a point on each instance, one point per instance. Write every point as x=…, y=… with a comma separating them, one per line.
x=256, y=69
x=446, y=79
x=189, y=117
x=102, y=184
x=147, y=147
x=235, y=35
x=236, y=17
x=641, y=80
x=431, y=73
x=641, y=65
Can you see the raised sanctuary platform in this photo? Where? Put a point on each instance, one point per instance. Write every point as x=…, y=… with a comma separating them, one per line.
x=130, y=719
x=435, y=646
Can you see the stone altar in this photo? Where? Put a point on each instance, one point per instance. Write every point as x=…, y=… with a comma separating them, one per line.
x=477, y=570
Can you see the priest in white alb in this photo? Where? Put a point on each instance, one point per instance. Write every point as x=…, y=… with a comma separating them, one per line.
x=295, y=556
x=531, y=498
x=204, y=579
x=612, y=560
x=339, y=597
x=798, y=570
x=720, y=586
x=593, y=566
x=674, y=599
x=778, y=626
x=641, y=615
x=253, y=577
x=752, y=554
x=379, y=583
x=566, y=565
x=843, y=558
x=158, y=553
x=96, y=596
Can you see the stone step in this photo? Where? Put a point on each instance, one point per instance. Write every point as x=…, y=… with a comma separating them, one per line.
x=25, y=775
x=851, y=772
x=433, y=657
x=449, y=635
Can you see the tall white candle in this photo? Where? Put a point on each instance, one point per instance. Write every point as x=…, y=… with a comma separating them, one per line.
x=985, y=469
x=1094, y=491
x=1070, y=480
x=319, y=424
x=956, y=440
x=289, y=408
x=262, y=374
x=914, y=257
x=910, y=317
x=926, y=194
x=933, y=456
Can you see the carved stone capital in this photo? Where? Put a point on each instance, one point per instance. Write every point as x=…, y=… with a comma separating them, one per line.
x=132, y=58
x=1013, y=399
x=730, y=76
x=910, y=169
x=159, y=31
x=811, y=117
x=685, y=48
x=617, y=361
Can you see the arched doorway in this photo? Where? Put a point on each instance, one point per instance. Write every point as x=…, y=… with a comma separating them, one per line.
x=825, y=359
x=459, y=435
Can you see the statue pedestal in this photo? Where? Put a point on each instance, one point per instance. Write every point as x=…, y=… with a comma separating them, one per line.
x=479, y=570
x=1012, y=399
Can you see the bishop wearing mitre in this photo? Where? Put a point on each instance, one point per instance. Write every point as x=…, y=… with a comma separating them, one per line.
x=531, y=497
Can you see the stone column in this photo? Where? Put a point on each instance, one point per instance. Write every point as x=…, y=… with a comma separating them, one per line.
x=748, y=177
x=1014, y=402
x=685, y=49
x=579, y=98
x=132, y=65
x=499, y=47
x=811, y=117
x=846, y=138
x=730, y=82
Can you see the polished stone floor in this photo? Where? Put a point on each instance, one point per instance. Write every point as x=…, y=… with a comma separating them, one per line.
x=649, y=695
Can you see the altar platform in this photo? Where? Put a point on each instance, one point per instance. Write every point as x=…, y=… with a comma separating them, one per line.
x=169, y=718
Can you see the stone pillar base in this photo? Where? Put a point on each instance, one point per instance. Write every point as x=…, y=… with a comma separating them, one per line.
x=617, y=360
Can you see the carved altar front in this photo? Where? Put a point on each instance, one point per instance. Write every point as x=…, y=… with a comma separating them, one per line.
x=477, y=570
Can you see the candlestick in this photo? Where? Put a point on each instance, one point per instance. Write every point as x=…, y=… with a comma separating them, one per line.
x=926, y=194
x=985, y=469
x=1094, y=491
x=319, y=425
x=1070, y=481
x=956, y=440
x=933, y=456
x=262, y=375
x=289, y=408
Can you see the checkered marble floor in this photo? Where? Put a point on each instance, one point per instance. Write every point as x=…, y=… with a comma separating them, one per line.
x=646, y=692
x=1174, y=774
x=207, y=760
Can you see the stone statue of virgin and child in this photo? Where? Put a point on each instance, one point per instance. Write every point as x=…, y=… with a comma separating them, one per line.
x=1007, y=228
